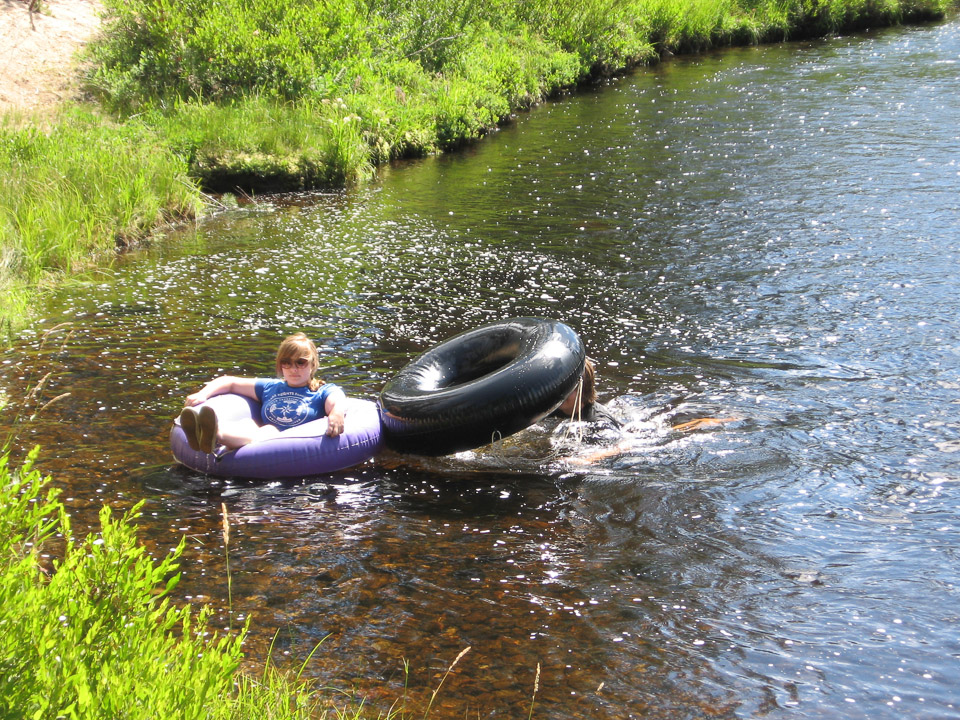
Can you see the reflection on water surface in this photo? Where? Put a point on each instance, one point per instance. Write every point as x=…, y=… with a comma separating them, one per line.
x=766, y=234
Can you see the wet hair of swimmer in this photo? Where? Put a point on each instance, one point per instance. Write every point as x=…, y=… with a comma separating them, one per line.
x=298, y=346
x=584, y=395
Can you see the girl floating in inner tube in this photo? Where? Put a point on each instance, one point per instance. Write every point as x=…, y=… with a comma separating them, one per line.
x=293, y=398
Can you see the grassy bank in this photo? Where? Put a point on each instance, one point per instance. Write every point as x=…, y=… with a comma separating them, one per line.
x=75, y=190
x=286, y=94
x=290, y=94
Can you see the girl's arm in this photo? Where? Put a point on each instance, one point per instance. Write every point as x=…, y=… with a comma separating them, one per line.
x=224, y=384
x=335, y=406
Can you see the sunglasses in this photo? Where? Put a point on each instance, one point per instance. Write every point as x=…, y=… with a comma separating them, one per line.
x=299, y=362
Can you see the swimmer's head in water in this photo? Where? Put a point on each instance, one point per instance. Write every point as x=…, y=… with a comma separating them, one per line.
x=583, y=395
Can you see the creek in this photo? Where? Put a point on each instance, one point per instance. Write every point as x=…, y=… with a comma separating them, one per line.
x=767, y=235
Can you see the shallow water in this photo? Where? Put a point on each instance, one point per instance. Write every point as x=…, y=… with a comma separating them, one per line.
x=765, y=234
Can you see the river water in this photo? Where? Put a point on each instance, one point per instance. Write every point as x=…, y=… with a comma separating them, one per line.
x=766, y=235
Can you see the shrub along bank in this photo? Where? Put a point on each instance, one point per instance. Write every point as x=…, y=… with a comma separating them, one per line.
x=292, y=94
x=91, y=635
x=289, y=94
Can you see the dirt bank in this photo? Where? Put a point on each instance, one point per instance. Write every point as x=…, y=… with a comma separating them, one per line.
x=38, y=69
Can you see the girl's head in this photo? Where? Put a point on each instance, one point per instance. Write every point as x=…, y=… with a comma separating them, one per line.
x=584, y=394
x=297, y=351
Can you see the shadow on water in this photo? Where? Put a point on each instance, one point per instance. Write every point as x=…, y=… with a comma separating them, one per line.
x=766, y=236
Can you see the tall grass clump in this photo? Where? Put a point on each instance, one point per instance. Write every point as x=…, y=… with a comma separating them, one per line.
x=71, y=192
x=74, y=191
x=260, y=142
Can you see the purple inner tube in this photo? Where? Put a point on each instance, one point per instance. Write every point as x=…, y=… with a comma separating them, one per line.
x=300, y=451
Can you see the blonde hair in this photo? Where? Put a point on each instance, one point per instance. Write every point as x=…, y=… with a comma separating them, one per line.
x=295, y=347
x=589, y=393
x=586, y=388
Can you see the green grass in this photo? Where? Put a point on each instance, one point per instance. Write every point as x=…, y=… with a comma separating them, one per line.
x=292, y=94
x=77, y=190
x=93, y=634
x=257, y=142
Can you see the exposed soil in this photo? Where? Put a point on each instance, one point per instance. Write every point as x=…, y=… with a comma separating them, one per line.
x=38, y=45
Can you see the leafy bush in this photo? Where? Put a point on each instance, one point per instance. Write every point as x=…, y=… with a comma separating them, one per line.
x=94, y=635
x=159, y=50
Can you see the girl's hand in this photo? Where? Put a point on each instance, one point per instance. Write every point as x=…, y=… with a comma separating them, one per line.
x=335, y=423
x=195, y=399
x=335, y=407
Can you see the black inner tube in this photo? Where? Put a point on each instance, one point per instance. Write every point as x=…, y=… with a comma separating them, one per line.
x=481, y=385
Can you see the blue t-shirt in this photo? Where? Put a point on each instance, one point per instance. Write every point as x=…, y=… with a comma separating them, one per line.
x=284, y=406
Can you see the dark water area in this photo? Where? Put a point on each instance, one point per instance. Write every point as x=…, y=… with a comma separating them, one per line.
x=768, y=235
